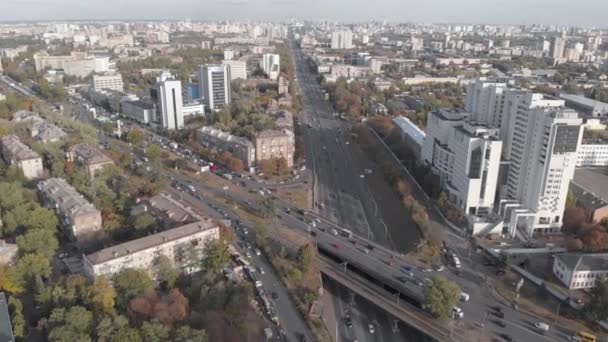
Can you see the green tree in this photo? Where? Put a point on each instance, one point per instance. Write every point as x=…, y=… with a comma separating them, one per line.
x=12, y=195
x=30, y=266
x=16, y=218
x=40, y=241
x=110, y=327
x=440, y=296
x=187, y=334
x=166, y=272
x=154, y=331
x=216, y=256
x=42, y=218
x=102, y=295
x=135, y=136
x=596, y=308
x=15, y=307
x=73, y=324
x=305, y=256
x=153, y=152
x=130, y=283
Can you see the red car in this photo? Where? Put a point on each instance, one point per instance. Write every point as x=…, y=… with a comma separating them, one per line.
x=336, y=246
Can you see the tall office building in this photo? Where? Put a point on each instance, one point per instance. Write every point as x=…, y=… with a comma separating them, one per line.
x=558, y=44
x=466, y=156
x=342, y=39
x=169, y=101
x=215, y=85
x=270, y=64
x=485, y=101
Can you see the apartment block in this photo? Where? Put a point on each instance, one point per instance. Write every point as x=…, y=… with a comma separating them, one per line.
x=580, y=270
x=238, y=69
x=271, y=65
x=14, y=152
x=485, y=101
x=176, y=244
x=271, y=144
x=109, y=81
x=89, y=157
x=76, y=215
x=76, y=64
x=240, y=148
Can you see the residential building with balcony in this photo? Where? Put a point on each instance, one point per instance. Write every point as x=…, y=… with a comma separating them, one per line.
x=16, y=153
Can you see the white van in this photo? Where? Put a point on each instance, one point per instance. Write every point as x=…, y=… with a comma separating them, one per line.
x=464, y=297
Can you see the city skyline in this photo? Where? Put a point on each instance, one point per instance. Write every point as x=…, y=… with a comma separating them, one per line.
x=440, y=11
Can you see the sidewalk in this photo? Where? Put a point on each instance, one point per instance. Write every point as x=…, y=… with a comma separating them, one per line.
x=328, y=313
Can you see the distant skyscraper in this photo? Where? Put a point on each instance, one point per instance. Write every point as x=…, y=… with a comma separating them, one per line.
x=342, y=39
x=270, y=63
x=215, y=85
x=558, y=45
x=170, y=103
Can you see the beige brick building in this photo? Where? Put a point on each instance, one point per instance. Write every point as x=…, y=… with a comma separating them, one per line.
x=14, y=152
x=76, y=215
x=271, y=144
x=143, y=253
x=89, y=157
x=221, y=141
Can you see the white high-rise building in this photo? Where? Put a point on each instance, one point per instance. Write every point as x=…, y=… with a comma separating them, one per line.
x=238, y=69
x=466, y=157
x=541, y=151
x=214, y=80
x=558, y=45
x=342, y=39
x=170, y=103
x=485, y=101
x=417, y=43
x=228, y=54
x=271, y=65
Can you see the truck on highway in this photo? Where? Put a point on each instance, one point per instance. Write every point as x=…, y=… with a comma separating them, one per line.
x=347, y=233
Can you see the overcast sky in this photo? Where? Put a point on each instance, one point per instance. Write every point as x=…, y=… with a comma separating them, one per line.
x=564, y=12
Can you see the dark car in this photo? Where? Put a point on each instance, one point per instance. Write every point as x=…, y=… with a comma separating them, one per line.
x=499, y=314
x=500, y=272
x=274, y=295
x=500, y=323
x=348, y=321
x=507, y=337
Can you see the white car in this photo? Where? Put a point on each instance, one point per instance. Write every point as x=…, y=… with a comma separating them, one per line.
x=464, y=297
x=335, y=232
x=371, y=328
x=457, y=313
x=542, y=327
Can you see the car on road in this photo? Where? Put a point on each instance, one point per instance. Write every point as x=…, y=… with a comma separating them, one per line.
x=336, y=246
x=500, y=272
x=541, y=327
x=500, y=323
x=348, y=321
x=457, y=312
x=506, y=337
x=334, y=232
x=408, y=273
x=274, y=295
x=260, y=270
x=401, y=278
x=464, y=297
x=257, y=252
x=370, y=327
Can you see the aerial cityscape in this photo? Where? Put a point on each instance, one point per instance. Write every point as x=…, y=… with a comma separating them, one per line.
x=276, y=171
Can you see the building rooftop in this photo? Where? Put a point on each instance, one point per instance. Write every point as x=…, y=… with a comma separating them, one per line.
x=66, y=196
x=451, y=114
x=272, y=133
x=46, y=131
x=221, y=135
x=409, y=128
x=169, y=208
x=18, y=150
x=6, y=330
x=584, y=101
x=149, y=241
x=590, y=187
x=90, y=154
x=585, y=262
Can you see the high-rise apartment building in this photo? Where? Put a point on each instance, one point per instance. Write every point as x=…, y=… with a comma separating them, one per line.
x=169, y=101
x=485, y=101
x=271, y=65
x=342, y=39
x=558, y=44
x=215, y=85
x=542, y=156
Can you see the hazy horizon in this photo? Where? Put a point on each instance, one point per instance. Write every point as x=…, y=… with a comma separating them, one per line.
x=516, y=12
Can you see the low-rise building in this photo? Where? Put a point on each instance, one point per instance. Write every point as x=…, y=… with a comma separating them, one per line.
x=39, y=128
x=592, y=153
x=89, y=157
x=177, y=244
x=14, y=152
x=6, y=329
x=586, y=106
x=8, y=252
x=240, y=148
x=274, y=144
x=580, y=270
x=590, y=189
x=170, y=211
x=140, y=111
x=108, y=81
x=76, y=215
